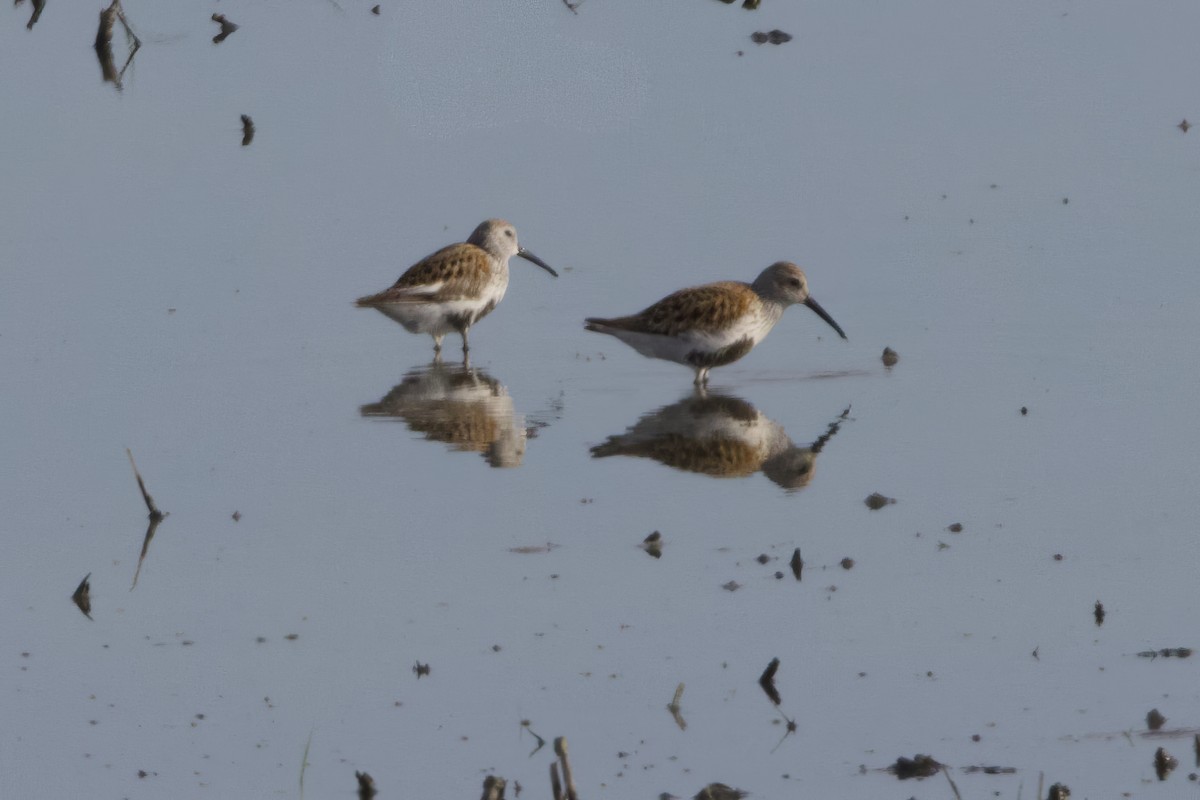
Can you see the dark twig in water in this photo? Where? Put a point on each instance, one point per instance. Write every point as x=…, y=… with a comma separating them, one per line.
x=108, y=67
x=304, y=763
x=82, y=596
x=791, y=728
x=675, y=708
x=151, y=529
x=247, y=130
x=540, y=741
x=227, y=28
x=574, y=7
x=38, y=5
x=154, y=512
x=767, y=681
x=953, y=788
x=156, y=516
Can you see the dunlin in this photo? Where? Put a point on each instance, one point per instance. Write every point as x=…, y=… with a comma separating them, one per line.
x=716, y=324
x=455, y=287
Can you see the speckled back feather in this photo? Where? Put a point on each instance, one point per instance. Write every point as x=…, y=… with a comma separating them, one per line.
x=711, y=307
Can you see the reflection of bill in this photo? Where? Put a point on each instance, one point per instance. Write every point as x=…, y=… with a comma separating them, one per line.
x=721, y=436
x=463, y=407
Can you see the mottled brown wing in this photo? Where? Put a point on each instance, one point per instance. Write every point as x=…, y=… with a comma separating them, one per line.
x=454, y=272
x=710, y=307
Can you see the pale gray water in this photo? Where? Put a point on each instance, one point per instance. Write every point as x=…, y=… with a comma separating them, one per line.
x=636, y=153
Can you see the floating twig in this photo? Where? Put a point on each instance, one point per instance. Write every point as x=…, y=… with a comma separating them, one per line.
x=247, y=130
x=675, y=708
x=154, y=512
x=151, y=529
x=540, y=741
x=304, y=763
x=791, y=728
x=420, y=669
x=953, y=788
x=573, y=6
x=38, y=5
x=227, y=28
x=767, y=681
x=797, y=563
x=82, y=596
x=108, y=67
x=156, y=516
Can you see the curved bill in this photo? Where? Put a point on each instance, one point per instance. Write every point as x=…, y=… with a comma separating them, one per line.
x=823, y=314
x=528, y=256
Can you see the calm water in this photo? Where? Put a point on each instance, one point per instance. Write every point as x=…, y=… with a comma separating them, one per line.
x=1001, y=195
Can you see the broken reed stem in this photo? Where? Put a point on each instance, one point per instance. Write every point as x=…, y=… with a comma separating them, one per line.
x=560, y=749
x=104, y=42
x=946, y=772
x=155, y=514
x=125, y=24
x=555, y=785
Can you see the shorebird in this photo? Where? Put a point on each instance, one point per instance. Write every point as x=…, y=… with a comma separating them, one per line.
x=715, y=324
x=455, y=287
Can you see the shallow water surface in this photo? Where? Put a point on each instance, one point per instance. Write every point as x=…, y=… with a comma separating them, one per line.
x=1001, y=195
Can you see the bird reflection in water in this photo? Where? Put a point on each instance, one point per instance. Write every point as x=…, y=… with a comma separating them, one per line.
x=721, y=436
x=462, y=406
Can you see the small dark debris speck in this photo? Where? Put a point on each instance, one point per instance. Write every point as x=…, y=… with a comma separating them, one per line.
x=1098, y=613
x=773, y=37
x=1154, y=719
x=1183, y=126
x=890, y=357
x=919, y=766
x=955, y=527
x=876, y=501
x=1164, y=763
x=763, y=558
x=847, y=563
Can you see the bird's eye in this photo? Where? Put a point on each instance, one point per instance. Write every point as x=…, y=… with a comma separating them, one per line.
x=508, y=232
x=794, y=283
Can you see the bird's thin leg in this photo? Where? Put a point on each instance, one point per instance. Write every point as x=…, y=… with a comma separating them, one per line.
x=466, y=346
x=437, y=345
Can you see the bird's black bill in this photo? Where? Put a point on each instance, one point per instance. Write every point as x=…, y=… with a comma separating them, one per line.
x=528, y=256
x=823, y=314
